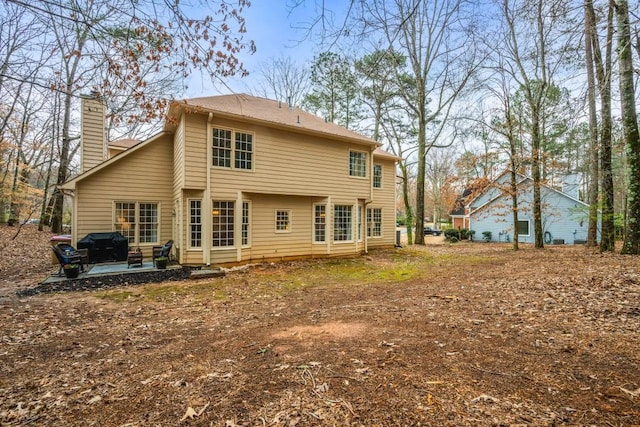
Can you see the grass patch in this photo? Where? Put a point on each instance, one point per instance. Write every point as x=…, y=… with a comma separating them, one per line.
x=161, y=292
x=381, y=267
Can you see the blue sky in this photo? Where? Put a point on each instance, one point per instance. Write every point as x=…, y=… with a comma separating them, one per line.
x=275, y=29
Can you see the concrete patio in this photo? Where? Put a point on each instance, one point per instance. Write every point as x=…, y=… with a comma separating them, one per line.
x=109, y=269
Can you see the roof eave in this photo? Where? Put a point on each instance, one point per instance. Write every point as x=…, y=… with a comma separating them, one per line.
x=171, y=118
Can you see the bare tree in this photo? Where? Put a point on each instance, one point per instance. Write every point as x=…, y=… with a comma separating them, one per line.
x=285, y=80
x=602, y=64
x=536, y=46
x=133, y=53
x=439, y=169
x=434, y=38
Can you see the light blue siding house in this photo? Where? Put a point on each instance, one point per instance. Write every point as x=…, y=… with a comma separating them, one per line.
x=565, y=218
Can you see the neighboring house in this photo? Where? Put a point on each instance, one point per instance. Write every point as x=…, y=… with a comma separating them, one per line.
x=234, y=179
x=565, y=218
x=460, y=213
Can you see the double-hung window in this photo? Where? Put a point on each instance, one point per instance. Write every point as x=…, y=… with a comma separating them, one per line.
x=374, y=222
x=320, y=223
x=223, y=221
x=232, y=149
x=245, y=223
x=283, y=221
x=342, y=223
x=137, y=221
x=195, y=223
x=359, y=224
x=244, y=151
x=222, y=148
x=357, y=163
x=377, y=176
x=148, y=215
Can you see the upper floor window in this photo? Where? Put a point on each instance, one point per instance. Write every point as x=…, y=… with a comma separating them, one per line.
x=377, y=176
x=241, y=150
x=357, y=163
x=222, y=148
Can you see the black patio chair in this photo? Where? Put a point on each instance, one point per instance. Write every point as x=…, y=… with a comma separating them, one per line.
x=162, y=251
x=67, y=254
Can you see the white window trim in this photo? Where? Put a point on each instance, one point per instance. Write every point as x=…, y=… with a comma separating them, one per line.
x=136, y=235
x=372, y=222
x=233, y=148
x=361, y=213
x=248, y=244
x=210, y=236
x=202, y=236
x=333, y=225
x=528, y=227
x=374, y=176
x=326, y=223
x=349, y=164
x=210, y=161
x=289, y=221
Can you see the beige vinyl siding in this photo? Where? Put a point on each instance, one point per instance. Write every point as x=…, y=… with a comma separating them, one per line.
x=93, y=134
x=178, y=158
x=385, y=199
x=191, y=256
x=196, y=159
x=141, y=176
x=296, y=164
x=266, y=242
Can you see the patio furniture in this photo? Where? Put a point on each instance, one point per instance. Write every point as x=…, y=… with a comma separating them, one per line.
x=134, y=258
x=162, y=251
x=105, y=247
x=67, y=255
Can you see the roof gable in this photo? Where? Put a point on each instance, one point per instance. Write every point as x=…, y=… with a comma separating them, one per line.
x=70, y=184
x=502, y=180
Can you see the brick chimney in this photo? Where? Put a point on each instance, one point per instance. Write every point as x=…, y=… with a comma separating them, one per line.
x=92, y=141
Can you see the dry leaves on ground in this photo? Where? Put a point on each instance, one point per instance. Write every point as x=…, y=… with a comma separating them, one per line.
x=466, y=334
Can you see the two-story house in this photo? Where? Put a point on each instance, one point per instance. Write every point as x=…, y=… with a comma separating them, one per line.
x=235, y=179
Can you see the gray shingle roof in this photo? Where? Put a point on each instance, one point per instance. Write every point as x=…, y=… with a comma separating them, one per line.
x=267, y=110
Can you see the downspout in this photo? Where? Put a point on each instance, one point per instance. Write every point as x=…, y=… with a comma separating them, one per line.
x=208, y=208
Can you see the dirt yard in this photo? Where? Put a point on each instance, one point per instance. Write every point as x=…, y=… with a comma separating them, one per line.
x=469, y=334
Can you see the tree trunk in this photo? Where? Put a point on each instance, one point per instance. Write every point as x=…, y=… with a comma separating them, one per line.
x=603, y=72
x=63, y=168
x=592, y=232
x=535, y=173
x=422, y=160
x=407, y=205
x=630, y=128
x=514, y=204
